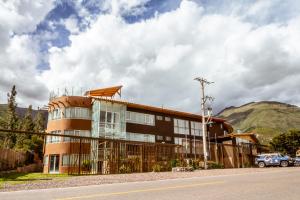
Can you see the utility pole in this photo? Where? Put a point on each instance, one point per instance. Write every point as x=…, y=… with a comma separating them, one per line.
x=204, y=98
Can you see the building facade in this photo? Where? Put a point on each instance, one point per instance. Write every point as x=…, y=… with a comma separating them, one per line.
x=100, y=117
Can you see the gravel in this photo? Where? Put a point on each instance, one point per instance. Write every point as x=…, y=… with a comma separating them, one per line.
x=73, y=181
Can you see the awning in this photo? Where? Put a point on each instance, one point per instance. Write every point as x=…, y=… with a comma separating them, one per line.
x=245, y=136
x=105, y=92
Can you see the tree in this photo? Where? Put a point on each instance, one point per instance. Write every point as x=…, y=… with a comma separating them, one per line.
x=10, y=120
x=39, y=122
x=24, y=141
x=287, y=143
x=39, y=126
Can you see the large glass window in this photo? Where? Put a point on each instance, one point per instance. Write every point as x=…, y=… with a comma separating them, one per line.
x=70, y=113
x=140, y=137
x=140, y=118
x=54, y=114
x=196, y=128
x=181, y=126
x=77, y=113
x=109, y=120
x=83, y=133
x=54, y=138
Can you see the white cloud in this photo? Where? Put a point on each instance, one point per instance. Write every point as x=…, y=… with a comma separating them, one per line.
x=19, y=54
x=157, y=59
x=71, y=24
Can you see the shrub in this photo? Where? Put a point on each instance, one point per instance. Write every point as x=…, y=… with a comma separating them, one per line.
x=86, y=164
x=195, y=164
x=124, y=169
x=156, y=167
x=214, y=165
x=174, y=163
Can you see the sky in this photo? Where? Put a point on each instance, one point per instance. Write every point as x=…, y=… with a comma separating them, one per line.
x=154, y=48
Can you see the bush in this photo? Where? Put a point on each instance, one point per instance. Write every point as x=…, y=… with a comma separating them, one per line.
x=124, y=169
x=86, y=164
x=214, y=165
x=195, y=164
x=156, y=167
x=174, y=163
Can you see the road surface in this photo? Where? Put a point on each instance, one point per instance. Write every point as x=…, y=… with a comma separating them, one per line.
x=283, y=183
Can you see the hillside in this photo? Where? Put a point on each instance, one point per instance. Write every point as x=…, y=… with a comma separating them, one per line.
x=22, y=111
x=266, y=118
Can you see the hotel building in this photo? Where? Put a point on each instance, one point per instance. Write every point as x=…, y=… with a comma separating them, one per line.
x=98, y=115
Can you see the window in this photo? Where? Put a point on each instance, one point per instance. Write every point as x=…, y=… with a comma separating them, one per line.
x=196, y=128
x=54, y=114
x=140, y=118
x=168, y=119
x=65, y=160
x=158, y=117
x=221, y=126
x=181, y=126
x=83, y=133
x=178, y=140
x=70, y=113
x=159, y=137
x=77, y=113
x=46, y=159
x=54, y=138
x=140, y=137
x=168, y=138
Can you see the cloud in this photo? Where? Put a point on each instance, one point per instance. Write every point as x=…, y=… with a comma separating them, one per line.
x=157, y=59
x=19, y=54
x=250, y=55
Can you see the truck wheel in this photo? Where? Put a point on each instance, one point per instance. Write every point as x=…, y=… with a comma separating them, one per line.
x=261, y=164
x=284, y=164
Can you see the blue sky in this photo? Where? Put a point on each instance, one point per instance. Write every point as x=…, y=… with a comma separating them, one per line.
x=153, y=48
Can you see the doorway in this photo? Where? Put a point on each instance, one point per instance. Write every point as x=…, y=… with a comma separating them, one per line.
x=54, y=164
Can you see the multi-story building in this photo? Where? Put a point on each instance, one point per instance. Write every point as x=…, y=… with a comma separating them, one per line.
x=95, y=115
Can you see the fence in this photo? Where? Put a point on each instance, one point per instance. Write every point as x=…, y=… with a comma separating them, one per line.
x=11, y=159
x=87, y=155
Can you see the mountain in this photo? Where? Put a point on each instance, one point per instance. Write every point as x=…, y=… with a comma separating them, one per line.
x=22, y=111
x=265, y=118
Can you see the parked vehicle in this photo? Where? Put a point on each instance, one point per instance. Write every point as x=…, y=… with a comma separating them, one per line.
x=297, y=161
x=273, y=159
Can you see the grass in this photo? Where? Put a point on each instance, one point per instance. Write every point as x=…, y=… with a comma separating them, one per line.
x=20, y=178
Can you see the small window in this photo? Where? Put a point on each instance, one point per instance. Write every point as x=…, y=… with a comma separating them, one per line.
x=158, y=117
x=168, y=138
x=168, y=119
x=159, y=137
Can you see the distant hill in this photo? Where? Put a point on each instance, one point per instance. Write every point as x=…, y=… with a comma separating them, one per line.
x=22, y=111
x=266, y=118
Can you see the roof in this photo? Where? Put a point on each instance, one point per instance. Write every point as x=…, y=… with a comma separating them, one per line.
x=246, y=136
x=105, y=92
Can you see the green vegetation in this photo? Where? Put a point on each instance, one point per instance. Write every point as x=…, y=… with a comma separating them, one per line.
x=19, y=178
x=266, y=119
x=11, y=121
x=287, y=143
x=157, y=167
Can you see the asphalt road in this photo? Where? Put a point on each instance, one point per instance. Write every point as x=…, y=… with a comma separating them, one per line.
x=274, y=184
